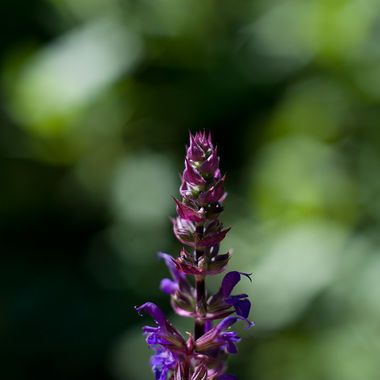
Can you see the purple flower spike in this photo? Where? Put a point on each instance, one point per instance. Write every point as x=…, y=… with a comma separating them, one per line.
x=197, y=226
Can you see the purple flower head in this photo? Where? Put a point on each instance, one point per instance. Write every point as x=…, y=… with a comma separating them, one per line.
x=197, y=226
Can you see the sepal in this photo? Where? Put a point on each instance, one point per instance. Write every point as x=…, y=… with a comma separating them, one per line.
x=211, y=164
x=215, y=193
x=188, y=213
x=205, y=266
x=192, y=175
x=200, y=373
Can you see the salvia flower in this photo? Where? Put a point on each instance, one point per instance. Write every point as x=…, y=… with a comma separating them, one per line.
x=203, y=354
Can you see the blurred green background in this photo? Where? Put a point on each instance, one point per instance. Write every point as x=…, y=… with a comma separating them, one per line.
x=97, y=97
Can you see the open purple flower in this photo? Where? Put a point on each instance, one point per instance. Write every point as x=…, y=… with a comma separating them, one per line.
x=218, y=338
x=223, y=303
x=164, y=335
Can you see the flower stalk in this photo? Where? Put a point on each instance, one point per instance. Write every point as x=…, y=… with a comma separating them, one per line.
x=202, y=356
x=200, y=291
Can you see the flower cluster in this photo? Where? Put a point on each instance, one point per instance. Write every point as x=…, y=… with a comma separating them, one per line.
x=202, y=356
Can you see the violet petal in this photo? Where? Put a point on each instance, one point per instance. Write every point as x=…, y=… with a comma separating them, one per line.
x=154, y=311
x=168, y=286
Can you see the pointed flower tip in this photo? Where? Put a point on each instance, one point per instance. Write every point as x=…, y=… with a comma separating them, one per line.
x=162, y=255
x=202, y=138
x=248, y=275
